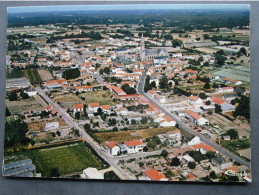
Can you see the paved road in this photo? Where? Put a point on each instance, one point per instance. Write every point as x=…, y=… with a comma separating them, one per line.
x=139, y=155
x=99, y=78
x=184, y=126
x=111, y=160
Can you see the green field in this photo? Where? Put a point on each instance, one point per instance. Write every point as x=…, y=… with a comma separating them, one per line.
x=238, y=144
x=68, y=160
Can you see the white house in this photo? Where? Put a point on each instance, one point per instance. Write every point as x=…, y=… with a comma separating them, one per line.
x=113, y=148
x=194, y=100
x=196, y=140
x=133, y=147
x=92, y=173
x=176, y=134
x=123, y=111
x=161, y=99
x=224, y=90
x=203, y=148
x=84, y=88
x=93, y=107
x=78, y=108
x=186, y=159
x=196, y=119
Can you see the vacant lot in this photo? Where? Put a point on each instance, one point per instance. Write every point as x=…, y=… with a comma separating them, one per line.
x=246, y=153
x=101, y=97
x=235, y=72
x=45, y=75
x=39, y=125
x=67, y=160
x=122, y=136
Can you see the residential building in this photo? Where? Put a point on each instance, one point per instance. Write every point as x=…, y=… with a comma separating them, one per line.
x=134, y=146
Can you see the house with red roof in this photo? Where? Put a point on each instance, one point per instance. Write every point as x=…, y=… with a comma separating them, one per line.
x=154, y=175
x=215, y=100
x=151, y=93
x=176, y=134
x=196, y=118
x=134, y=146
x=194, y=100
x=203, y=148
x=78, y=108
x=93, y=107
x=106, y=108
x=48, y=108
x=113, y=148
x=118, y=91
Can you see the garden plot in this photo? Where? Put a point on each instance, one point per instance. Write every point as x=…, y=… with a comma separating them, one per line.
x=236, y=72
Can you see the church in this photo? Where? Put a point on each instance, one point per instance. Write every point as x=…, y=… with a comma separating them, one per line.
x=151, y=54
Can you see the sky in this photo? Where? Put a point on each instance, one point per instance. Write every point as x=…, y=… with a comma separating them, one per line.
x=125, y=7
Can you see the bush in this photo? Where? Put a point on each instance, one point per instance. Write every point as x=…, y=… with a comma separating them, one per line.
x=164, y=153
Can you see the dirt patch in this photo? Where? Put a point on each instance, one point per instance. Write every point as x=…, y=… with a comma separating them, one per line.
x=45, y=75
x=39, y=125
x=246, y=153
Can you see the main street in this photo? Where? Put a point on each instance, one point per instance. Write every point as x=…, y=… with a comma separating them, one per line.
x=111, y=160
x=140, y=90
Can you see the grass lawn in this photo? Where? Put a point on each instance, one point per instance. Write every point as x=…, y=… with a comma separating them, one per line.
x=122, y=136
x=68, y=160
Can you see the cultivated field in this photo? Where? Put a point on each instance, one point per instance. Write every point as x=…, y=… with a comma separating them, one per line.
x=122, y=136
x=67, y=160
x=235, y=72
x=45, y=75
x=21, y=106
x=206, y=50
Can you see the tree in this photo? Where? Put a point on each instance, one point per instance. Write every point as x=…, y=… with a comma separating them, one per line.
x=232, y=133
x=243, y=108
x=177, y=43
x=77, y=115
x=175, y=162
x=153, y=84
x=71, y=74
x=145, y=149
x=147, y=87
x=15, y=133
x=163, y=83
x=106, y=70
x=243, y=51
x=213, y=175
x=215, y=85
x=24, y=95
x=203, y=96
x=87, y=126
x=143, y=120
x=141, y=164
x=13, y=96
x=218, y=108
x=54, y=172
x=164, y=153
x=100, y=111
x=7, y=112
x=128, y=89
x=206, y=86
x=192, y=165
x=206, y=36
x=220, y=60
x=208, y=103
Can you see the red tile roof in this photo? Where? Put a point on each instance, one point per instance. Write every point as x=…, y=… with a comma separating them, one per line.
x=94, y=105
x=195, y=98
x=49, y=107
x=168, y=118
x=134, y=143
x=155, y=175
x=106, y=107
x=193, y=114
x=217, y=100
x=78, y=106
x=112, y=144
x=190, y=176
x=174, y=132
x=203, y=146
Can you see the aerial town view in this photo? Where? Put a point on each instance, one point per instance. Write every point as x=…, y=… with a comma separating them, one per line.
x=136, y=92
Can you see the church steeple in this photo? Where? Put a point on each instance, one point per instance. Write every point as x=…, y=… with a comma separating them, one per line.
x=142, y=49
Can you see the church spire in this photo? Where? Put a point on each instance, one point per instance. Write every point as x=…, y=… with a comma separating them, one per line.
x=142, y=49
